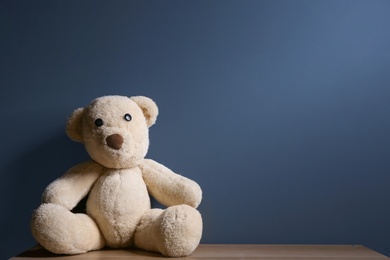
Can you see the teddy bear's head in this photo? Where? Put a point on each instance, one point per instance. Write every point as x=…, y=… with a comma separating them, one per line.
x=114, y=129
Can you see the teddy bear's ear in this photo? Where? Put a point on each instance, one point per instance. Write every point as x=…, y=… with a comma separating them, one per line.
x=149, y=108
x=74, y=125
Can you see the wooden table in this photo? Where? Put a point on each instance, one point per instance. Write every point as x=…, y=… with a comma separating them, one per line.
x=234, y=251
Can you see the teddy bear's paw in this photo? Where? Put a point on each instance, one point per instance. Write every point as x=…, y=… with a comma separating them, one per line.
x=62, y=232
x=181, y=230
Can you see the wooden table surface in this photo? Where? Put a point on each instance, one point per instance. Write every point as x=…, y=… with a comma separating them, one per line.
x=234, y=251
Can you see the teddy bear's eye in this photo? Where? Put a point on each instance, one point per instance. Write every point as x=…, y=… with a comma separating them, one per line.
x=98, y=122
x=127, y=117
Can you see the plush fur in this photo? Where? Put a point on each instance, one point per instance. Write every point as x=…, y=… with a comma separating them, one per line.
x=118, y=181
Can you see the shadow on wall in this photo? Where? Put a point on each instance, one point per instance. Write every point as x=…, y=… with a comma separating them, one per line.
x=26, y=178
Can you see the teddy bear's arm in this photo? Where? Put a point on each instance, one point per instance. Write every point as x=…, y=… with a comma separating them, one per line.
x=74, y=185
x=169, y=188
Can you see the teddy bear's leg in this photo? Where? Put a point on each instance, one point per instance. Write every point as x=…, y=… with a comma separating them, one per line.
x=63, y=232
x=173, y=232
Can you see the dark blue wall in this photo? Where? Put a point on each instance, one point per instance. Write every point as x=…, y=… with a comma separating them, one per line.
x=279, y=109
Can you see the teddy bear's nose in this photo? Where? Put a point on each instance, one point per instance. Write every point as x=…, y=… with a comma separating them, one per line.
x=115, y=141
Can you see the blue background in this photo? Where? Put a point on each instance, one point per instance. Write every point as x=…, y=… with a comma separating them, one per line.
x=278, y=109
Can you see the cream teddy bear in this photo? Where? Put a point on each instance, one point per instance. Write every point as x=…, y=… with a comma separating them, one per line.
x=118, y=181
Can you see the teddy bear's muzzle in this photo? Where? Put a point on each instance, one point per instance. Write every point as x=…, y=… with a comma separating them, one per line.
x=115, y=141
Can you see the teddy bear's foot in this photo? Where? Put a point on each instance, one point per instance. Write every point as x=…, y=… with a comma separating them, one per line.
x=174, y=232
x=62, y=232
x=181, y=230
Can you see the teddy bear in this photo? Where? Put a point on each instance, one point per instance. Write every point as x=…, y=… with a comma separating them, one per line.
x=117, y=183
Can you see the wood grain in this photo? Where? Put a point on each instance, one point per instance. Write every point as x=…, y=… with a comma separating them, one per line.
x=223, y=251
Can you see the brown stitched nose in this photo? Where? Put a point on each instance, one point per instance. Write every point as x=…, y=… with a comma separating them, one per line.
x=115, y=141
